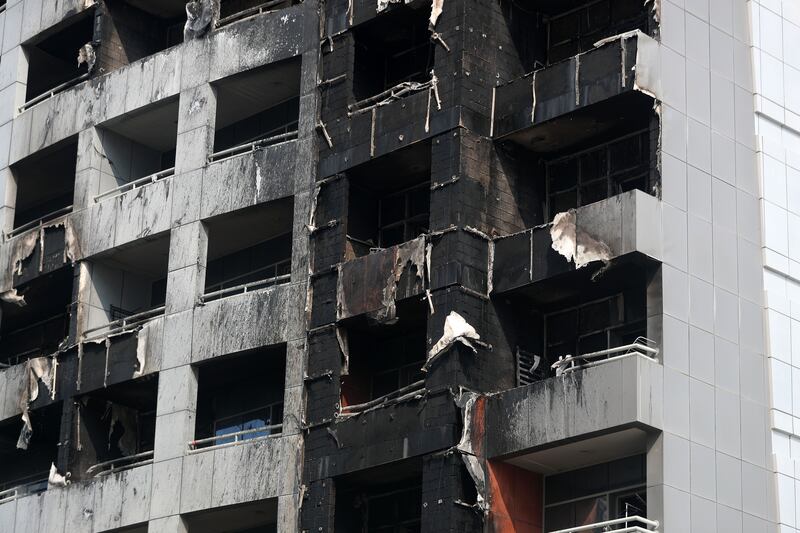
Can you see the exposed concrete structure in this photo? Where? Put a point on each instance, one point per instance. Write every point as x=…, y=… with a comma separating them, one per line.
x=385, y=266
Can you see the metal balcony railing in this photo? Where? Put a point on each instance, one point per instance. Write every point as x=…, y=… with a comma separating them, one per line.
x=38, y=223
x=52, y=92
x=268, y=140
x=136, y=184
x=123, y=324
x=641, y=347
x=254, y=11
x=24, y=489
x=409, y=391
x=245, y=287
x=199, y=445
x=628, y=524
x=122, y=463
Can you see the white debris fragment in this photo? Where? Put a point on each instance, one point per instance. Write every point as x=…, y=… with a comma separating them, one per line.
x=199, y=14
x=12, y=297
x=383, y=4
x=86, y=54
x=436, y=11
x=456, y=329
x=575, y=244
x=35, y=370
x=55, y=479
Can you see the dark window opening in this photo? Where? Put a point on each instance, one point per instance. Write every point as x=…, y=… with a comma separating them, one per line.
x=139, y=145
x=233, y=10
x=134, y=29
x=129, y=285
x=42, y=324
x=599, y=173
x=45, y=184
x=389, y=200
x=117, y=425
x=28, y=469
x=52, y=60
x=259, y=106
x=381, y=500
x=596, y=494
x=240, y=397
x=250, y=247
x=385, y=359
x=253, y=517
x=577, y=30
x=392, y=49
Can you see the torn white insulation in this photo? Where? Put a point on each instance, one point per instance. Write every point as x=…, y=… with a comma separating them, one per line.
x=12, y=297
x=383, y=4
x=141, y=350
x=436, y=11
x=86, y=54
x=24, y=246
x=341, y=338
x=456, y=329
x=466, y=402
x=55, y=479
x=574, y=243
x=37, y=369
x=647, y=77
x=475, y=470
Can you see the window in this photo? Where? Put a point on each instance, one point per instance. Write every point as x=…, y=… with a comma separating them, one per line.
x=599, y=173
x=404, y=215
x=395, y=511
x=261, y=418
x=576, y=31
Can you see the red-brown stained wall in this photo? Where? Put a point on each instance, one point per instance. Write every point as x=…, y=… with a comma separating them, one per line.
x=515, y=499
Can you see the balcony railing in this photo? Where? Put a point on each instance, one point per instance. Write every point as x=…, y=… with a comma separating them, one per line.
x=39, y=222
x=628, y=524
x=24, y=489
x=199, y=445
x=122, y=463
x=245, y=287
x=409, y=391
x=122, y=325
x=641, y=347
x=268, y=140
x=52, y=92
x=254, y=11
x=136, y=184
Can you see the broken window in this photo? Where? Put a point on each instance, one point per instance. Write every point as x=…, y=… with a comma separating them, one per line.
x=52, y=60
x=249, y=249
x=257, y=108
x=385, y=360
x=392, y=49
x=599, y=173
x=234, y=10
x=389, y=199
x=381, y=500
x=45, y=185
x=26, y=471
x=252, y=517
x=595, y=494
x=240, y=397
x=129, y=286
x=42, y=324
x=138, y=148
x=117, y=426
x=577, y=30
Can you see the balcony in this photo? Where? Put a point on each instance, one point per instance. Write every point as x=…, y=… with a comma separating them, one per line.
x=615, y=81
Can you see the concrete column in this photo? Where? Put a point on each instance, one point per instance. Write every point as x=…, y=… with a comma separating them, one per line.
x=187, y=264
x=196, y=120
x=175, y=414
x=88, y=168
x=14, y=138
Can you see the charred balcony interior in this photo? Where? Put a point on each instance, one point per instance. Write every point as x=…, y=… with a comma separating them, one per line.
x=42, y=324
x=45, y=185
x=249, y=249
x=235, y=10
x=128, y=286
x=138, y=147
x=383, y=499
x=116, y=427
x=392, y=52
x=580, y=314
x=254, y=517
x=389, y=200
x=385, y=361
x=240, y=397
x=51, y=59
x=596, y=494
x=257, y=108
x=27, y=470
x=134, y=29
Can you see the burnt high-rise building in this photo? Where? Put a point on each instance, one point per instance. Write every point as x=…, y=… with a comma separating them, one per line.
x=384, y=266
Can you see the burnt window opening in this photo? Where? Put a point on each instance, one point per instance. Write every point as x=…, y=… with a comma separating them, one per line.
x=385, y=359
x=117, y=426
x=392, y=49
x=240, y=397
x=591, y=495
x=389, y=200
x=598, y=173
x=381, y=500
x=28, y=470
x=138, y=148
x=252, y=517
x=133, y=29
x=45, y=184
x=52, y=60
x=234, y=10
x=257, y=108
x=249, y=249
x=42, y=324
x=129, y=286
x=577, y=30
